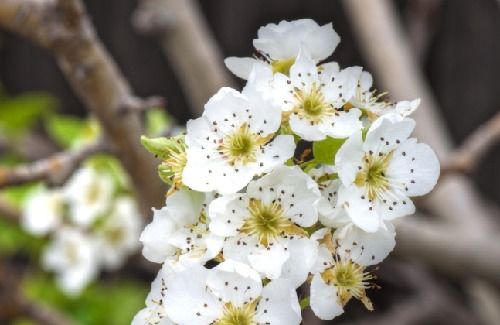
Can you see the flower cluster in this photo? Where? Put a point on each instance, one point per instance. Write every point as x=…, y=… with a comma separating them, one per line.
x=88, y=223
x=296, y=179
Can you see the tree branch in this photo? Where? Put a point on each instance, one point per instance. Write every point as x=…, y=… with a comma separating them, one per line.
x=189, y=46
x=64, y=28
x=467, y=157
x=55, y=170
x=9, y=212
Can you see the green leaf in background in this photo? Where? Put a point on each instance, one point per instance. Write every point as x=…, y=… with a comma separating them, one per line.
x=157, y=121
x=110, y=165
x=67, y=131
x=114, y=302
x=20, y=113
x=324, y=151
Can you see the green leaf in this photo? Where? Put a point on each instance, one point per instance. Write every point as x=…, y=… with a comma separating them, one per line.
x=68, y=130
x=161, y=147
x=324, y=151
x=157, y=121
x=19, y=114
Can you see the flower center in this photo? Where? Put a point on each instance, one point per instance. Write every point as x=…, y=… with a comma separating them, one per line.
x=350, y=280
x=282, y=66
x=267, y=222
x=312, y=105
x=93, y=193
x=372, y=175
x=171, y=169
x=234, y=315
x=241, y=146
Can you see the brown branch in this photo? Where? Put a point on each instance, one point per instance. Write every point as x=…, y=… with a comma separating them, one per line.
x=64, y=28
x=55, y=170
x=467, y=157
x=189, y=46
x=9, y=212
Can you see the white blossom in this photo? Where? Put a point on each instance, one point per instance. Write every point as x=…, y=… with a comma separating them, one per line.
x=88, y=193
x=180, y=230
x=278, y=45
x=229, y=294
x=314, y=100
x=73, y=256
x=118, y=235
x=43, y=211
x=263, y=227
x=232, y=142
x=381, y=173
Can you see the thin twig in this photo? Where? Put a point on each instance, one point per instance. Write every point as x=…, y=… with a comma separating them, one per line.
x=64, y=28
x=54, y=170
x=189, y=45
x=468, y=156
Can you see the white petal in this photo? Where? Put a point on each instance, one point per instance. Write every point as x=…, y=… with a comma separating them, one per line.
x=362, y=247
x=184, y=207
x=324, y=300
x=227, y=214
x=269, y=261
x=322, y=42
x=155, y=237
x=276, y=153
x=349, y=158
x=303, y=128
x=234, y=283
x=303, y=73
x=345, y=124
x=241, y=67
x=279, y=304
x=385, y=135
x=187, y=297
x=303, y=255
x=362, y=212
x=415, y=167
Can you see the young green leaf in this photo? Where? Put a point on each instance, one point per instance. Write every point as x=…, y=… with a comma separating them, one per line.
x=324, y=151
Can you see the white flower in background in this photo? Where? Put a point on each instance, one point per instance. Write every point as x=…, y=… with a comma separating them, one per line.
x=118, y=235
x=73, y=256
x=89, y=193
x=229, y=294
x=232, y=142
x=381, y=173
x=43, y=211
x=180, y=231
x=278, y=46
x=264, y=225
x=314, y=100
x=348, y=240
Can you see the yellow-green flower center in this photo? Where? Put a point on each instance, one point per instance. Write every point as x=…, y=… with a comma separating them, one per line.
x=175, y=164
x=373, y=175
x=282, y=66
x=93, y=193
x=350, y=280
x=267, y=222
x=242, y=145
x=243, y=315
x=312, y=104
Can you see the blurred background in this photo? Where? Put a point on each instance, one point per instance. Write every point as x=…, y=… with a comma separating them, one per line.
x=452, y=50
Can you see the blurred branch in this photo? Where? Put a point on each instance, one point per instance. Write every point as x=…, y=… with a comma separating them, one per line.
x=14, y=304
x=9, y=212
x=466, y=158
x=188, y=44
x=452, y=250
x=64, y=28
x=376, y=24
x=422, y=18
x=55, y=170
